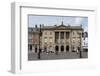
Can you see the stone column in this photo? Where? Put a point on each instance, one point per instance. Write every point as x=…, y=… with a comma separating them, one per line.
x=59, y=42
x=64, y=41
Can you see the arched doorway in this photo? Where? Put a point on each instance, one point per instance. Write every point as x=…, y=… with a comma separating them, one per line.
x=67, y=48
x=62, y=48
x=56, y=48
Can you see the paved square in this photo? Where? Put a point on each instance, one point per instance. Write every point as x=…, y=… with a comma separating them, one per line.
x=62, y=55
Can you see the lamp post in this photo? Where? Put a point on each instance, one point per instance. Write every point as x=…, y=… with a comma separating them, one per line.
x=39, y=53
x=80, y=50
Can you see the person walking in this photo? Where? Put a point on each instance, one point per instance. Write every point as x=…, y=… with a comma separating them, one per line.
x=77, y=51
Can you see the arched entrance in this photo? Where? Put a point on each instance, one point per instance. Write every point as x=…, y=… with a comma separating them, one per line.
x=56, y=48
x=62, y=48
x=67, y=48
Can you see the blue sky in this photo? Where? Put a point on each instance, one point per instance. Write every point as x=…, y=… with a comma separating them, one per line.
x=52, y=20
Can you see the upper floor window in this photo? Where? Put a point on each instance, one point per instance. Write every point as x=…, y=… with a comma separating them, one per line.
x=56, y=35
x=67, y=34
x=50, y=33
x=46, y=33
x=62, y=35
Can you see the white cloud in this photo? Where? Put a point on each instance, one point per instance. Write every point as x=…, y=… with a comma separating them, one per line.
x=78, y=20
x=86, y=29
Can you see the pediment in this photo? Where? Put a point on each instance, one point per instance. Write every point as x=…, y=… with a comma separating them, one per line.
x=62, y=27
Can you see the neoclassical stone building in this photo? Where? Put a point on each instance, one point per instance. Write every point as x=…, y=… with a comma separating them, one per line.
x=62, y=38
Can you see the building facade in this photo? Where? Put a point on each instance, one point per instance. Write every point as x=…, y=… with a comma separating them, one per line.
x=30, y=39
x=60, y=38
x=33, y=39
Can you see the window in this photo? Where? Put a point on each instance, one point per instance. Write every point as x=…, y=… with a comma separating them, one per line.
x=45, y=43
x=45, y=32
x=50, y=33
x=50, y=39
x=45, y=39
x=67, y=35
x=62, y=35
x=56, y=35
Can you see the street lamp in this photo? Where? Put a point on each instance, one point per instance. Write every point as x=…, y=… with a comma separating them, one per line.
x=40, y=33
x=80, y=50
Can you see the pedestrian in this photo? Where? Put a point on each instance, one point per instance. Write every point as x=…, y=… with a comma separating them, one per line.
x=77, y=51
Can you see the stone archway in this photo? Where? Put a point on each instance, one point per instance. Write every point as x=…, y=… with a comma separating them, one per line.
x=56, y=48
x=67, y=48
x=62, y=48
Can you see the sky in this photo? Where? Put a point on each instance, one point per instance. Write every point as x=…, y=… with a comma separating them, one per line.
x=52, y=20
